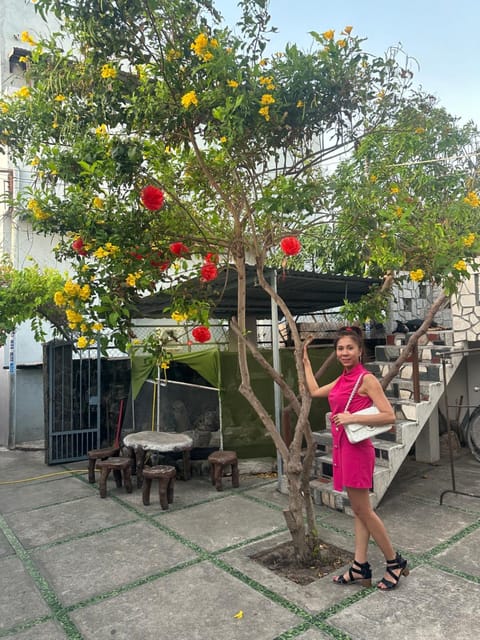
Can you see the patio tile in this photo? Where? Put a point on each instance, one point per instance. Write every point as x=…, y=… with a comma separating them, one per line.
x=47, y=631
x=17, y=585
x=225, y=522
x=5, y=547
x=86, y=567
x=27, y=496
x=463, y=555
x=428, y=605
x=196, y=603
x=55, y=522
x=421, y=526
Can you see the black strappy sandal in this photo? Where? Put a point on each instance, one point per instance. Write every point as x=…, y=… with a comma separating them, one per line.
x=364, y=573
x=393, y=565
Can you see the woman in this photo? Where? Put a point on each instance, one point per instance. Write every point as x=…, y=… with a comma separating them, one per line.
x=353, y=464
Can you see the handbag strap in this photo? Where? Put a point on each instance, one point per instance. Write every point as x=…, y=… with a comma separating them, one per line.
x=354, y=391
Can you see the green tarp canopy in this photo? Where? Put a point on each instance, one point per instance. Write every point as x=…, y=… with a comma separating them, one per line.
x=205, y=362
x=242, y=429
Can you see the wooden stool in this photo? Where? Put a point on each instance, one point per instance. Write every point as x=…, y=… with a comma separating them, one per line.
x=218, y=461
x=166, y=480
x=119, y=466
x=99, y=454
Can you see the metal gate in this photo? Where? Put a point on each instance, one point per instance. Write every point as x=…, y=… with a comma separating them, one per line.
x=72, y=401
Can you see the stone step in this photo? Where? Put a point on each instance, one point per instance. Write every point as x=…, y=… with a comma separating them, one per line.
x=427, y=371
x=426, y=352
x=383, y=446
x=323, y=493
x=397, y=385
x=435, y=336
x=387, y=454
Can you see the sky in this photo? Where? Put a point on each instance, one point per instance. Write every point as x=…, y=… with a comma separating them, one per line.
x=439, y=36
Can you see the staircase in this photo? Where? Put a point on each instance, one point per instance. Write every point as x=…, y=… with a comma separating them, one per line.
x=392, y=447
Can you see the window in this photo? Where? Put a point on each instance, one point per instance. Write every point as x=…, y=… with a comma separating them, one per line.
x=476, y=279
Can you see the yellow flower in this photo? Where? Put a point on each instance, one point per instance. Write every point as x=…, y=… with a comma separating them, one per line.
x=173, y=54
x=111, y=248
x=381, y=94
x=300, y=104
x=472, y=199
x=267, y=99
x=373, y=178
x=200, y=43
x=178, y=316
x=73, y=316
x=232, y=83
x=264, y=80
x=85, y=292
x=24, y=59
x=101, y=130
x=83, y=327
x=59, y=298
x=108, y=71
x=35, y=161
x=328, y=35
x=394, y=189
x=164, y=365
x=23, y=92
x=97, y=326
x=82, y=342
x=417, y=275
x=419, y=130
x=100, y=253
x=399, y=212
x=263, y=62
x=4, y=107
x=59, y=98
x=132, y=278
x=223, y=139
x=36, y=209
x=342, y=43
x=188, y=99
x=98, y=202
x=469, y=240
x=348, y=30
x=71, y=288
x=265, y=112
x=26, y=37
x=461, y=265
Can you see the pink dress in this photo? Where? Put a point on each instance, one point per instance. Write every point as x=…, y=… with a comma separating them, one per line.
x=352, y=463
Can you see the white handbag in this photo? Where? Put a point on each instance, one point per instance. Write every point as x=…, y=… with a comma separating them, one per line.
x=357, y=432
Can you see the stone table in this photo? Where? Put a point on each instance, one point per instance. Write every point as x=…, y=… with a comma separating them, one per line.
x=160, y=442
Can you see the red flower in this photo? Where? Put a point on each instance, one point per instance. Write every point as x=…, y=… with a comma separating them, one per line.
x=208, y=272
x=152, y=197
x=211, y=257
x=290, y=246
x=201, y=334
x=78, y=246
x=178, y=248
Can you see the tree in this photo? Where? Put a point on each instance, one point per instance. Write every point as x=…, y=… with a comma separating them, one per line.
x=27, y=294
x=163, y=146
x=409, y=190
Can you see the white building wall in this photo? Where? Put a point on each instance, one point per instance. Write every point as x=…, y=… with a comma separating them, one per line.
x=21, y=381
